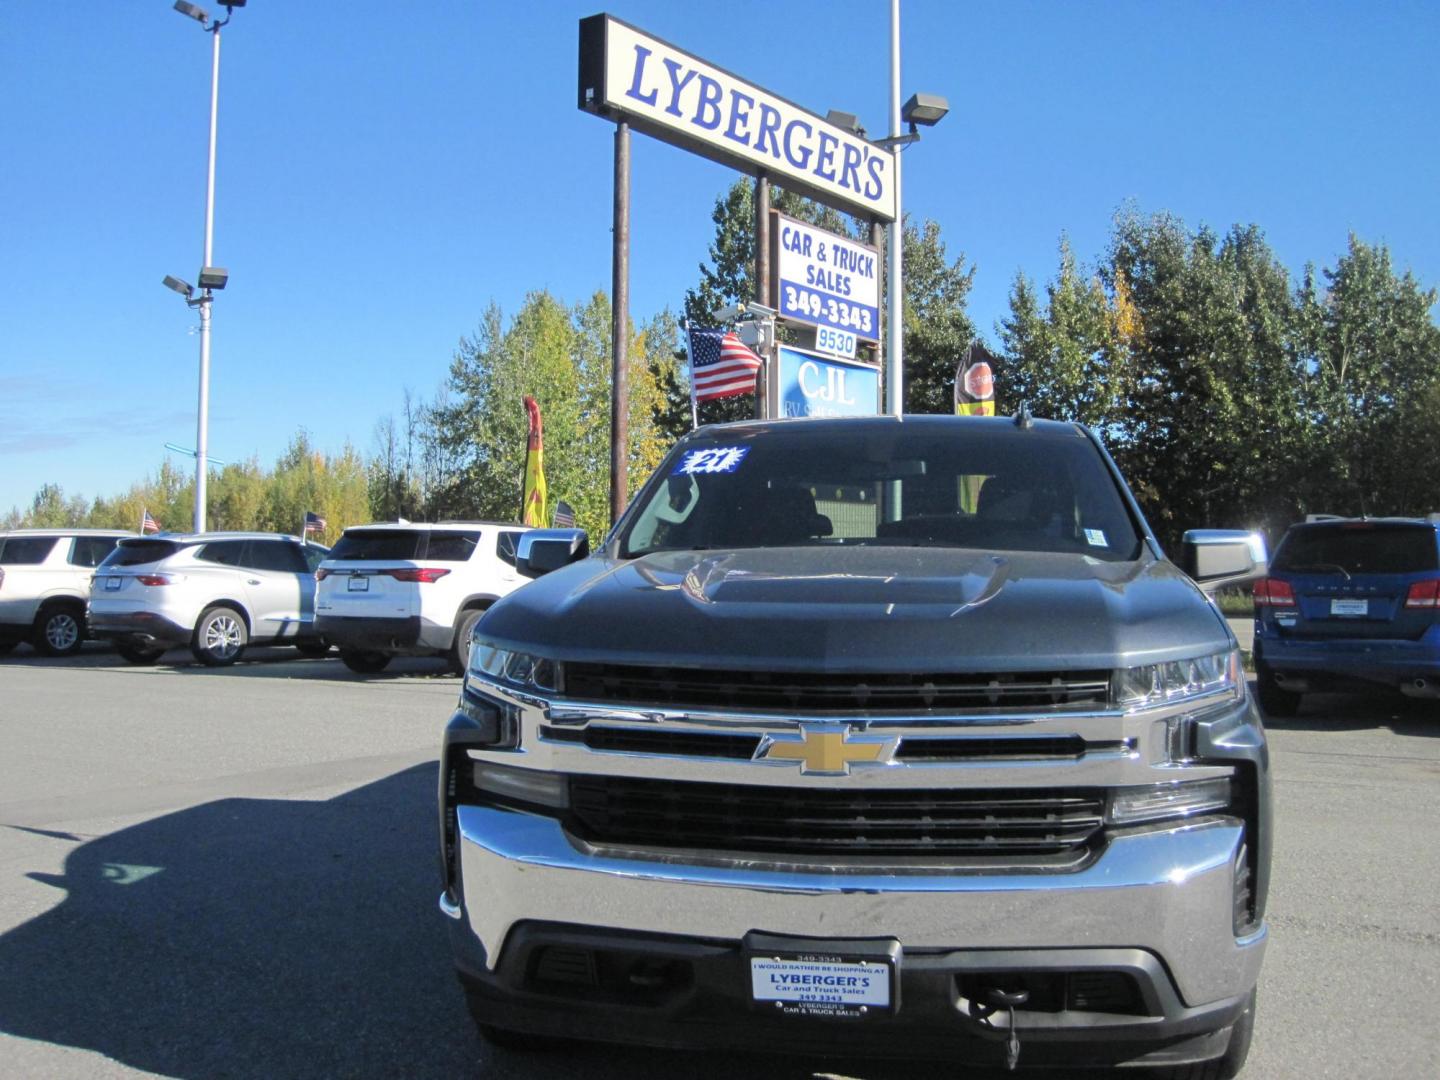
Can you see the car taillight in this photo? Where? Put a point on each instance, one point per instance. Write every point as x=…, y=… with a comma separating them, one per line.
x=1423, y=594
x=1274, y=592
x=152, y=579
x=321, y=574
x=422, y=574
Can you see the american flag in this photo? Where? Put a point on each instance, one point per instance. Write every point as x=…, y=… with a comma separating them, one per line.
x=147, y=523
x=720, y=365
x=314, y=523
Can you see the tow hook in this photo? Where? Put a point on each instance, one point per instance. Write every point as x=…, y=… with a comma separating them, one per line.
x=997, y=998
x=1009, y=1000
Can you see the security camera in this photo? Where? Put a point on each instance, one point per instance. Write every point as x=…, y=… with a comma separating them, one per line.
x=730, y=312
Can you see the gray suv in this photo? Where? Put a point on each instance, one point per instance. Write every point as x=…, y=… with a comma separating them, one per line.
x=869, y=735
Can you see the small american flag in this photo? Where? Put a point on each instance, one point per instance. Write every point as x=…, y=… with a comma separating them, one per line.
x=314, y=523
x=564, y=515
x=147, y=523
x=720, y=365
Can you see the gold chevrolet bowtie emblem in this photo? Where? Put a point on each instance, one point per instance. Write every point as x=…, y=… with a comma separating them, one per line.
x=824, y=750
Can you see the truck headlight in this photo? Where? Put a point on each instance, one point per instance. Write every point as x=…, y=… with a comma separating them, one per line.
x=1159, y=802
x=522, y=670
x=1178, y=680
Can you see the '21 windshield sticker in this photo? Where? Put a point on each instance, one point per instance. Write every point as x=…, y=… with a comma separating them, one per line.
x=717, y=459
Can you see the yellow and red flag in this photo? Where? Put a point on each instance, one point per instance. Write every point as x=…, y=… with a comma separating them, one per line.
x=975, y=383
x=532, y=510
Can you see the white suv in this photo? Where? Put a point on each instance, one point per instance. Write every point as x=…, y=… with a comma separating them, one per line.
x=413, y=590
x=44, y=580
x=216, y=592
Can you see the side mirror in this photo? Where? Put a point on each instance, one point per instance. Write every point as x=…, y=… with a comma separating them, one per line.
x=1219, y=557
x=543, y=550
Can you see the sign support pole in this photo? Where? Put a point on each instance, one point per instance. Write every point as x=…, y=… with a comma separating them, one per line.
x=762, y=288
x=620, y=327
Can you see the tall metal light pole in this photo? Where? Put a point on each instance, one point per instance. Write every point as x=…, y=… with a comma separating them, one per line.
x=929, y=110
x=211, y=277
x=895, y=241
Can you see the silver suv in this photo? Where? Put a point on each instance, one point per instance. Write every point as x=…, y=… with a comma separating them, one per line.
x=44, y=580
x=403, y=589
x=216, y=592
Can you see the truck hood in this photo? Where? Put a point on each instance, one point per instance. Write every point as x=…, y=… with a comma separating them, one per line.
x=895, y=609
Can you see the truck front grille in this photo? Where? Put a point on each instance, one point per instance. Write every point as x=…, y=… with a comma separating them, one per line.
x=824, y=821
x=823, y=692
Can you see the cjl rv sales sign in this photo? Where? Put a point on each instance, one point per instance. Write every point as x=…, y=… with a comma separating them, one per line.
x=825, y=280
x=625, y=74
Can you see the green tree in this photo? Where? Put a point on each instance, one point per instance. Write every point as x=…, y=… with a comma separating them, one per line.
x=1372, y=360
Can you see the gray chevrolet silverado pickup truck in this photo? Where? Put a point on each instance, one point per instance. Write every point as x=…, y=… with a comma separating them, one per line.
x=871, y=736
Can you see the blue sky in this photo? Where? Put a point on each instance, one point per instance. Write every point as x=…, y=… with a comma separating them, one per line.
x=388, y=170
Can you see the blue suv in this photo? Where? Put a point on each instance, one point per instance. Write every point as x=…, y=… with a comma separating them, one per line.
x=1349, y=603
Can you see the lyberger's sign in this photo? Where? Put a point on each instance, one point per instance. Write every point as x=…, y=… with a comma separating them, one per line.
x=625, y=74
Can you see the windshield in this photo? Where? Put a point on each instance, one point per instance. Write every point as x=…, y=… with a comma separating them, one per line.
x=1357, y=548
x=1002, y=489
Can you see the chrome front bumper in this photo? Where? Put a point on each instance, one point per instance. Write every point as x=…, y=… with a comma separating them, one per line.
x=1165, y=891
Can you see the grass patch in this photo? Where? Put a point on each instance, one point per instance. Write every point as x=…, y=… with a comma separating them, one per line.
x=1236, y=602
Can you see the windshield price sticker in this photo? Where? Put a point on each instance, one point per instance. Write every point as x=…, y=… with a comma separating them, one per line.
x=715, y=459
x=835, y=342
x=816, y=987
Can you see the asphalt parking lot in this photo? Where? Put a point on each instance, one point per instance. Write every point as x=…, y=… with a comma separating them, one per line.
x=232, y=873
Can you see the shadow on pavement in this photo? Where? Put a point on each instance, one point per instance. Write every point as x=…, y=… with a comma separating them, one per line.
x=274, y=938
x=259, y=662
x=1367, y=711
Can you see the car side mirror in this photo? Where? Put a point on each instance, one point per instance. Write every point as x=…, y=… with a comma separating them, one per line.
x=543, y=550
x=1219, y=557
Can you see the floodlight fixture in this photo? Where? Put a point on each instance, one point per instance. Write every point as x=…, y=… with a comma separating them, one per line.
x=925, y=109
x=184, y=288
x=194, y=11
x=848, y=121
x=213, y=277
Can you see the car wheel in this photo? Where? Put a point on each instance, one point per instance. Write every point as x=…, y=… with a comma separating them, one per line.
x=459, y=657
x=1274, y=701
x=364, y=663
x=60, y=629
x=312, y=648
x=220, y=637
x=136, y=653
x=1228, y=1065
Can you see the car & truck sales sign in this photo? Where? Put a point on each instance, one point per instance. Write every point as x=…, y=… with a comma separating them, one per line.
x=825, y=280
x=625, y=74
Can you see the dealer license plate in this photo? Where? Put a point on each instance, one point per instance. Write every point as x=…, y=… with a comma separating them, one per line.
x=359, y=584
x=821, y=986
x=112, y=583
x=1349, y=607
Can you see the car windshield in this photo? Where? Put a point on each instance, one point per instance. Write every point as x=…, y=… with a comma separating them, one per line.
x=993, y=488
x=1357, y=547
